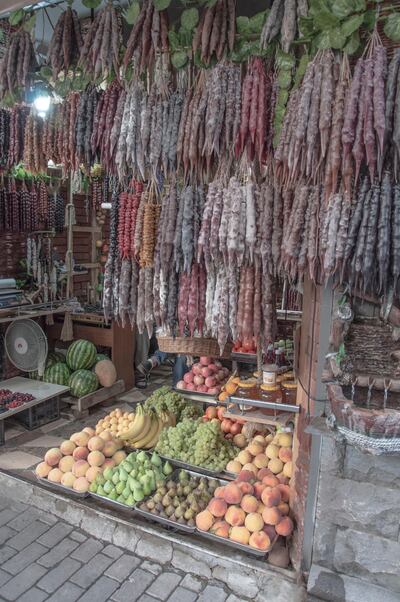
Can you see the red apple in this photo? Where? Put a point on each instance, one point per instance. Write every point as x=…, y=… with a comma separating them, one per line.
x=188, y=377
x=210, y=381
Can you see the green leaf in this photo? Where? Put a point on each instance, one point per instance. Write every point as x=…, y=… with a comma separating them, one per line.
x=283, y=97
x=161, y=4
x=91, y=3
x=342, y=8
x=30, y=23
x=45, y=72
x=370, y=19
x=16, y=17
x=306, y=26
x=284, y=60
x=392, y=27
x=242, y=25
x=351, y=25
x=131, y=13
x=256, y=22
x=352, y=44
x=185, y=37
x=173, y=39
x=284, y=79
x=322, y=40
x=322, y=16
x=189, y=18
x=337, y=39
x=179, y=59
x=301, y=69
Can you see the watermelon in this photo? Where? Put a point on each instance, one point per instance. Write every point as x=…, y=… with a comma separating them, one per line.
x=34, y=375
x=81, y=355
x=83, y=382
x=53, y=357
x=101, y=356
x=57, y=373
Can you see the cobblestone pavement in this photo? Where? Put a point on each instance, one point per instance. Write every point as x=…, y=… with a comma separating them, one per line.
x=44, y=558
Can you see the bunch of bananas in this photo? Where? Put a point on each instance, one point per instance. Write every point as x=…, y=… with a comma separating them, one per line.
x=145, y=429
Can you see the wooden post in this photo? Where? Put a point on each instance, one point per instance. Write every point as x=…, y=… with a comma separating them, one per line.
x=123, y=347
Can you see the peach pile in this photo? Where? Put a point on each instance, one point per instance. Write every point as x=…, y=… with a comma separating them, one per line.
x=273, y=452
x=249, y=511
x=79, y=459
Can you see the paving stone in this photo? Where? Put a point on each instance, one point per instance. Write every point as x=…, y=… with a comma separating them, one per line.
x=28, y=535
x=112, y=551
x=24, y=519
x=58, y=553
x=4, y=577
x=150, y=546
x=123, y=567
x=192, y=583
x=146, y=598
x=5, y=533
x=33, y=595
x=233, y=598
x=183, y=595
x=55, y=535
x=214, y=593
x=5, y=553
x=152, y=567
x=22, y=582
x=49, y=519
x=100, y=591
x=164, y=585
x=31, y=553
x=132, y=590
x=91, y=570
x=87, y=550
x=6, y=516
x=18, y=460
x=20, y=506
x=69, y=592
x=77, y=536
x=59, y=575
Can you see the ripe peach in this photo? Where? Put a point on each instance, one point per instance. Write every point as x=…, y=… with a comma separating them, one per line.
x=275, y=465
x=285, y=454
x=234, y=466
x=258, y=489
x=239, y=534
x=271, y=516
x=285, y=526
x=232, y=494
x=95, y=458
x=263, y=472
x=270, y=481
x=80, y=468
x=80, y=453
x=217, y=507
x=53, y=456
x=42, y=469
x=254, y=522
x=283, y=508
x=89, y=431
x=81, y=484
x=204, y=520
x=245, y=475
x=251, y=468
x=261, y=461
x=246, y=488
x=80, y=439
x=244, y=457
x=105, y=435
x=96, y=443
x=220, y=528
x=287, y=469
x=285, y=492
x=260, y=507
x=272, y=451
x=119, y=457
x=67, y=479
x=92, y=473
x=66, y=463
x=270, y=531
x=249, y=503
x=259, y=439
x=255, y=448
x=271, y=496
x=285, y=439
x=235, y=516
x=67, y=447
x=240, y=440
x=282, y=479
x=109, y=449
x=259, y=540
x=55, y=475
x=219, y=492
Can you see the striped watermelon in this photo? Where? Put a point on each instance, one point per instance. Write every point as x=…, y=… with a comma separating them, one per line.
x=53, y=357
x=57, y=373
x=83, y=382
x=81, y=355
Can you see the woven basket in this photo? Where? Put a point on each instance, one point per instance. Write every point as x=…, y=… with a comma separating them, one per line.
x=193, y=346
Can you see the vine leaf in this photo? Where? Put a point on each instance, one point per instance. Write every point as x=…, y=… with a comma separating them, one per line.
x=179, y=59
x=392, y=27
x=189, y=18
x=161, y=4
x=344, y=8
x=131, y=13
x=351, y=25
x=173, y=39
x=16, y=17
x=352, y=43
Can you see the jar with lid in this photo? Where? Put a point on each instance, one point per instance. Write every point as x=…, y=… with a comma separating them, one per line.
x=246, y=388
x=271, y=394
x=289, y=392
x=270, y=372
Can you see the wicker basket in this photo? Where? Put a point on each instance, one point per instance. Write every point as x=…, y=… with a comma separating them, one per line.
x=193, y=346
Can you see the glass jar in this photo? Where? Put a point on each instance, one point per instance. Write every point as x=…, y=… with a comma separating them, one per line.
x=271, y=393
x=270, y=372
x=289, y=392
x=246, y=388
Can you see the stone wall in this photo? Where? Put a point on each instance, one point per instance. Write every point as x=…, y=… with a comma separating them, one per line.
x=356, y=548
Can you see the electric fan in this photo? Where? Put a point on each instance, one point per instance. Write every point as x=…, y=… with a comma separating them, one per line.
x=26, y=346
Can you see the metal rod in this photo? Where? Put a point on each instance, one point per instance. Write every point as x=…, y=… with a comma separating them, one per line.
x=284, y=407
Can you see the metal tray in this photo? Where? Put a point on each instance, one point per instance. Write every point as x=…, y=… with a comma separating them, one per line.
x=62, y=488
x=195, y=395
x=109, y=502
x=233, y=544
x=191, y=467
x=231, y=476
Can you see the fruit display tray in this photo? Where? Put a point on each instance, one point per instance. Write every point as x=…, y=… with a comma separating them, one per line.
x=59, y=487
x=192, y=467
x=233, y=544
x=112, y=503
